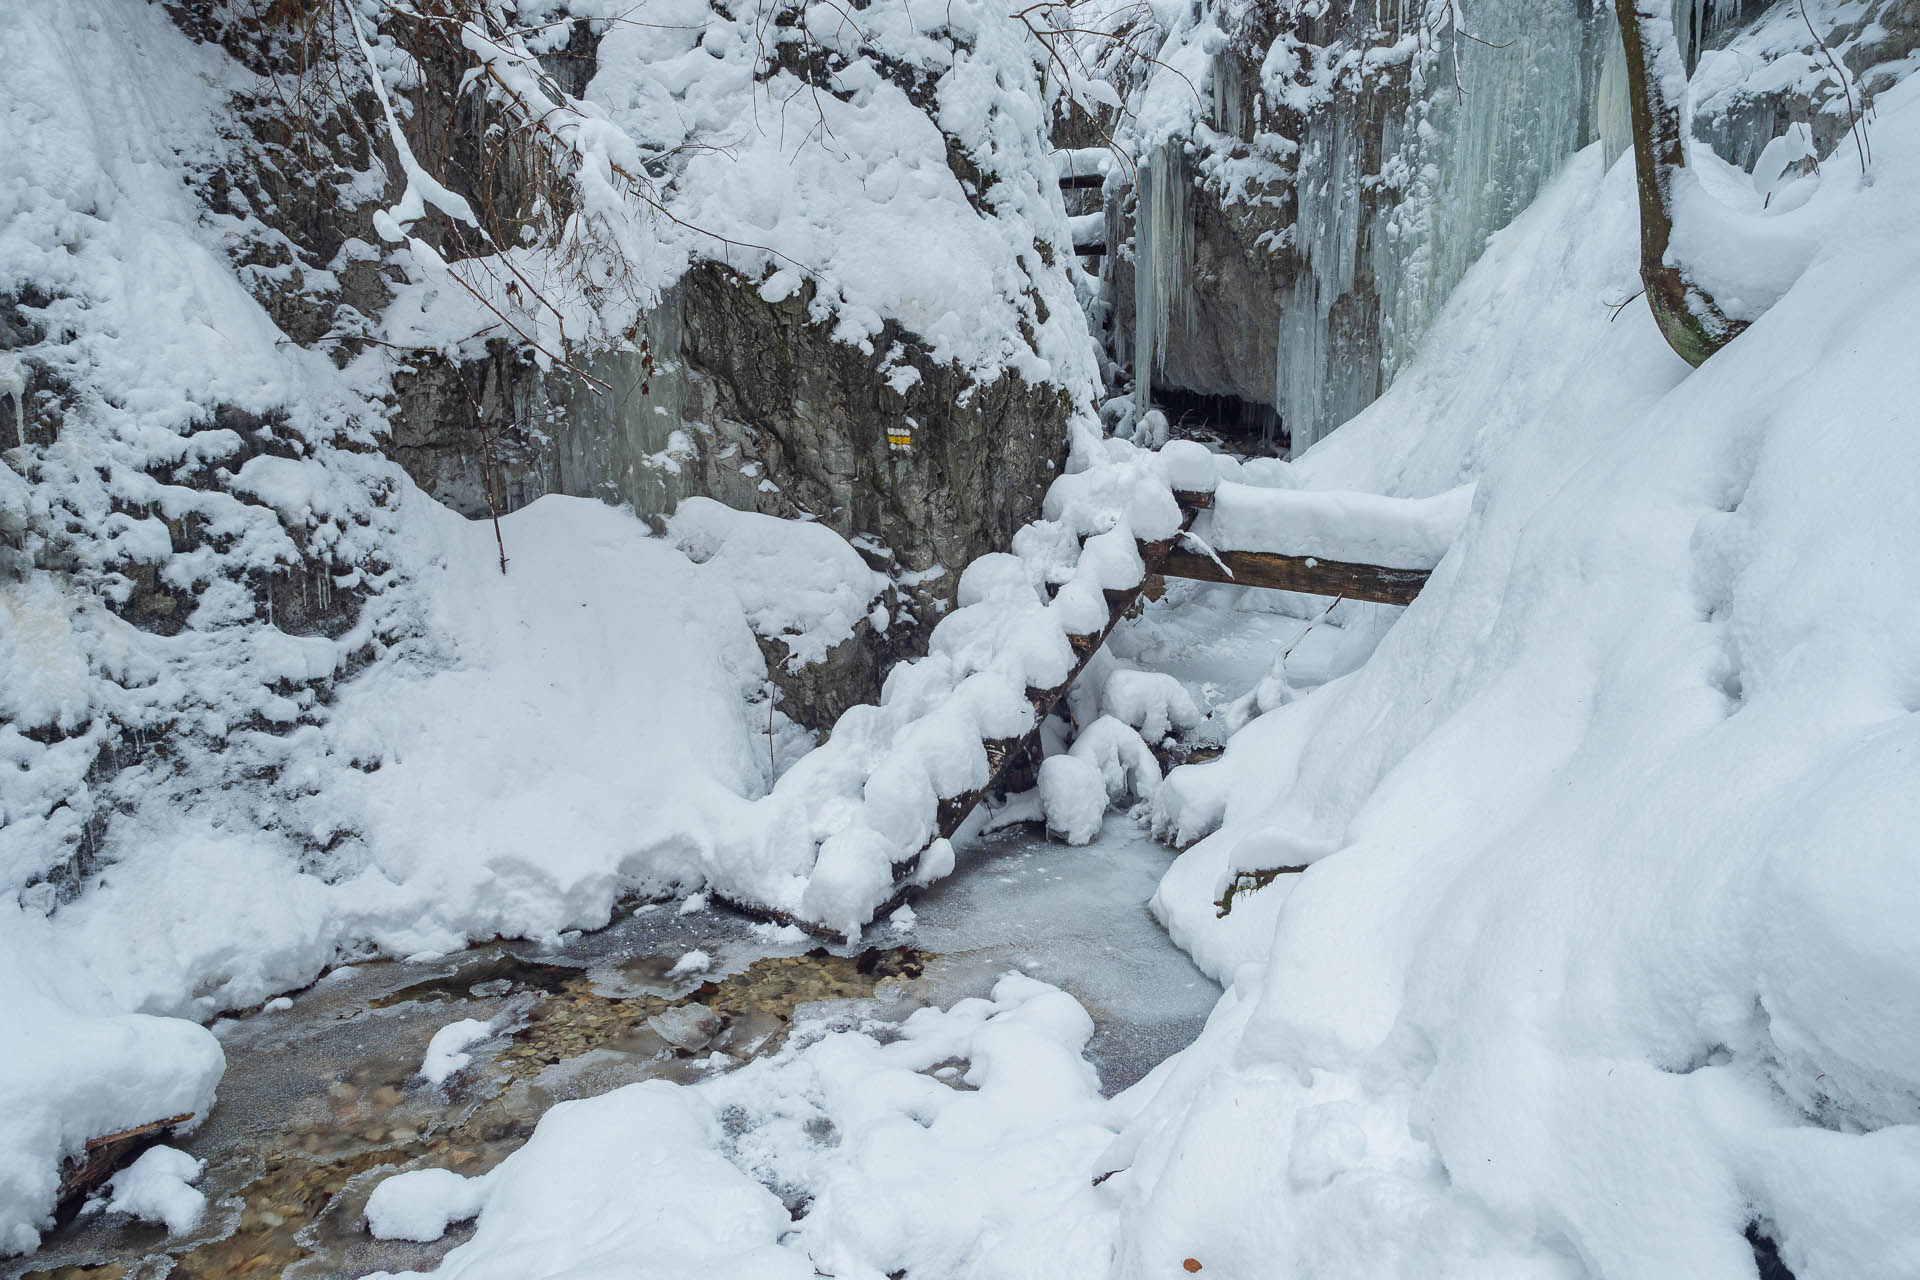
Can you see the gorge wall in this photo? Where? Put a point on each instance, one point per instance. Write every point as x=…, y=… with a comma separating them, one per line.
x=1318, y=177
x=720, y=388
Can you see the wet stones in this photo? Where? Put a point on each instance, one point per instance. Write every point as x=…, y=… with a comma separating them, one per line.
x=688, y=1027
x=289, y=1190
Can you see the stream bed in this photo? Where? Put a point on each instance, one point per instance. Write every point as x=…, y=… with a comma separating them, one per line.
x=323, y=1098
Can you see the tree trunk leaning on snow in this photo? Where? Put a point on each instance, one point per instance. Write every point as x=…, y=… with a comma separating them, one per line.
x=1693, y=325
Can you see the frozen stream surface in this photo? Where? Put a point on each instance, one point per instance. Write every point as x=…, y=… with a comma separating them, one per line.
x=323, y=1096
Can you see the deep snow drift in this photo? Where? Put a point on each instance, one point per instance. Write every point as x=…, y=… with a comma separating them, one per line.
x=1604, y=963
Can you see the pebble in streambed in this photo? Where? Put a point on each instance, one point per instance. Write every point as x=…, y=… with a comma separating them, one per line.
x=323, y=1101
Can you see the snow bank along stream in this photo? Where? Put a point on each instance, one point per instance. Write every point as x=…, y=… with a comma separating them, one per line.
x=326, y=1096
x=330, y=1091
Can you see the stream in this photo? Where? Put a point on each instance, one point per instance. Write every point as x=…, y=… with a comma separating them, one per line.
x=322, y=1096
x=322, y=1099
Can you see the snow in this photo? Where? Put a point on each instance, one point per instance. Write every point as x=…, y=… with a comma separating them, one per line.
x=600, y=644
x=848, y=187
x=796, y=582
x=1600, y=961
x=1128, y=770
x=13, y=384
x=1601, y=835
x=76, y=1067
x=1601, y=949
x=421, y=1205
x=1151, y=701
x=1359, y=528
x=695, y=961
x=447, y=1052
x=157, y=1188
x=474, y=752
x=1073, y=796
x=969, y=1178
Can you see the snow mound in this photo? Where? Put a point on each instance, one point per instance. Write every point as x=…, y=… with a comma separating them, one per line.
x=158, y=1188
x=446, y=1052
x=799, y=583
x=1358, y=528
x=1073, y=796
x=1151, y=701
x=422, y=1204
x=74, y=1067
x=913, y=1172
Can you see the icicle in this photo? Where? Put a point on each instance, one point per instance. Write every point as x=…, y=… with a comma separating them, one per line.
x=1690, y=27
x=1610, y=110
x=1470, y=156
x=1163, y=243
x=1146, y=309
x=1229, y=113
x=13, y=382
x=1317, y=383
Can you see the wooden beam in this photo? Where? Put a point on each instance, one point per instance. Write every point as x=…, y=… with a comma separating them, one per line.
x=1091, y=250
x=1082, y=181
x=1298, y=573
x=108, y=1153
x=1001, y=752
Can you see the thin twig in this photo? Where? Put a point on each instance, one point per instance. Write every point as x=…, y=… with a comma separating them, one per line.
x=1856, y=125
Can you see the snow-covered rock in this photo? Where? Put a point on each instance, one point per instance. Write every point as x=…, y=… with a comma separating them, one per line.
x=158, y=1187
x=447, y=1052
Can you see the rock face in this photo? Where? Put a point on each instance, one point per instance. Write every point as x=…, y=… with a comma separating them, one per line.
x=719, y=392
x=1297, y=237
x=1338, y=186
x=755, y=404
x=1872, y=41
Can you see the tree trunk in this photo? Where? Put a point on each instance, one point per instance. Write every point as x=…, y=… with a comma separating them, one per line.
x=1689, y=319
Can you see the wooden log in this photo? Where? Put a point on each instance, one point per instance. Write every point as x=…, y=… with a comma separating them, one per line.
x=109, y=1153
x=1002, y=753
x=1192, y=501
x=1091, y=250
x=1082, y=181
x=1298, y=573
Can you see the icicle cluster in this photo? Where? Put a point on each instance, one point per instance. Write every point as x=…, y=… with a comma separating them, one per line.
x=1163, y=250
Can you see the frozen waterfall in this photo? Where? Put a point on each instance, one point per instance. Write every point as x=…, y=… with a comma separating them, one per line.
x=1162, y=246
x=1467, y=155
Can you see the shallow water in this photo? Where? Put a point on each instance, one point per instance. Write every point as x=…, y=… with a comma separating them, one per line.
x=322, y=1100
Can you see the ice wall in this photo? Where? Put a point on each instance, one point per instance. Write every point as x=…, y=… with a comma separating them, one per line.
x=1471, y=149
x=617, y=445
x=1394, y=205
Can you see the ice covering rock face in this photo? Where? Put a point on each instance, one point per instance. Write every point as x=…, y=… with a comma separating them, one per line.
x=1340, y=183
x=758, y=405
x=1331, y=182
